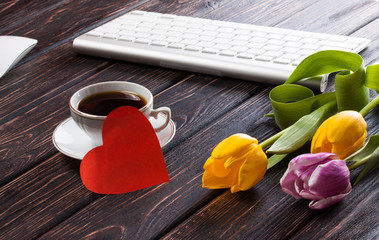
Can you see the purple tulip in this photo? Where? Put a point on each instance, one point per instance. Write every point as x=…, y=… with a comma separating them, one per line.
x=321, y=177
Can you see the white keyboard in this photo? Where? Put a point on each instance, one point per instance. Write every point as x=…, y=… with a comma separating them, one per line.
x=244, y=51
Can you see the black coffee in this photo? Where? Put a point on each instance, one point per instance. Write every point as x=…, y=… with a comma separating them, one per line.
x=102, y=104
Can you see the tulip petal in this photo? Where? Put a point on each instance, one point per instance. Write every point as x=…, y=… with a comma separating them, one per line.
x=319, y=142
x=211, y=181
x=235, y=145
x=216, y=167
x=309, y=159
x=287, y=183
x=252, y=169
x=326, y=202
x=308, y=195
x=329, y=179
x=346, y=127
x=342, y=134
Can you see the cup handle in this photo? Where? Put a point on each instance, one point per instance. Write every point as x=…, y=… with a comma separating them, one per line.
x=154, y=113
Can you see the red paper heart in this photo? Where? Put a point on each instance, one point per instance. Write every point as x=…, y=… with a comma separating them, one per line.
x=130, y=157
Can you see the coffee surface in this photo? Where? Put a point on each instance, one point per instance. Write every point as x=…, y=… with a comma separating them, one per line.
x=102, y=104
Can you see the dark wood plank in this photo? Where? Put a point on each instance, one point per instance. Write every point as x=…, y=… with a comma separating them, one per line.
x=222, y=97
x=272, y=214
x=27, y=126
x=14, y=13
x=51, y=192
x=47, y=75
x=57, y=70
x=353, y=220
x=62, y=21
x=163, y=206
x=265, y=212
x=369, y=31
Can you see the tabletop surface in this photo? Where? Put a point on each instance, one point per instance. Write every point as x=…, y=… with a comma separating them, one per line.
x=41, y=192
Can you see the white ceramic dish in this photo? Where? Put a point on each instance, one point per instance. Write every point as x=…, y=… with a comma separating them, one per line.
x=70, y=140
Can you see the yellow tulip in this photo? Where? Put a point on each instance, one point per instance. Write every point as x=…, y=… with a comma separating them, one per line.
x=238, y=162
x=341, y=134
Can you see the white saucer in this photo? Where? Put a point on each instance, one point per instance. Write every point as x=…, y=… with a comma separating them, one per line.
x=70, y=140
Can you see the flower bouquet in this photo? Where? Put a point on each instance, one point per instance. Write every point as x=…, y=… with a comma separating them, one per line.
x=333, y=122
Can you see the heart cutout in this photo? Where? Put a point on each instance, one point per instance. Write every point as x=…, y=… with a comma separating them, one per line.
x=130, y=157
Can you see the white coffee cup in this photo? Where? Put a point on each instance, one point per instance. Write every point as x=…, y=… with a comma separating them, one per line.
x=92, y=124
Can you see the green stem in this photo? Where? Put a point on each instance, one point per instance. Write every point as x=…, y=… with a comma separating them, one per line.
x=369, y=106
x=272, y=139
x=359, y=163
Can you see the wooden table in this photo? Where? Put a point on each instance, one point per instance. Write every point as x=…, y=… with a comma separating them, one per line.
x=42, y=195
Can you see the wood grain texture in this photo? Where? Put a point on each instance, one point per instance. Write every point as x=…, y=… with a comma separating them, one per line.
x=41, y=194
x=188, y=95
x=26, y=137
x=152, y=215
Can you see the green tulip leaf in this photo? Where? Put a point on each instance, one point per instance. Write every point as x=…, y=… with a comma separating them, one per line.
x=370, y=165
x=368, y=155
x=350, y=83
x=367, y=149
x=303, y=130
x=324, y=62
x=274, y=159
x=372, y=77
x=351, y=92
x=290, y=102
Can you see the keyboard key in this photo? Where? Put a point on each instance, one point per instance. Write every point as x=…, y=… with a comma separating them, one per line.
x=264, y=58
x=192, y=48
x=190, y=35
x=242, y=32
x=275, y=42
x=210, y=50
x=126, y=38
x=157, y=37
x=309, y=40
x=226, y=35
x=194, y=25
x=242, y=37
x=222, y=40
x=95, y=33
x=142, y=41
x=239, y=48
x=205, y=44
x=245, y=56
x=275, y=36
x=258, y=34
x=272, y=47
x=142, y=34
x=239, y=43
x=189, y=41
x=292, y=44
x=282, y=61
x=159, y=43
x=310, y=46
x=176, y=45
x=205, y=38
x=173, y=39
x=292, y=38
x=256, y=51
x=228, y=53
x=194, y=30
x=222, y=46
x=289, y=49
x=110, y=35
x=273, y=53
x=259, y=39
x=226, y=29
x=291, y=56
